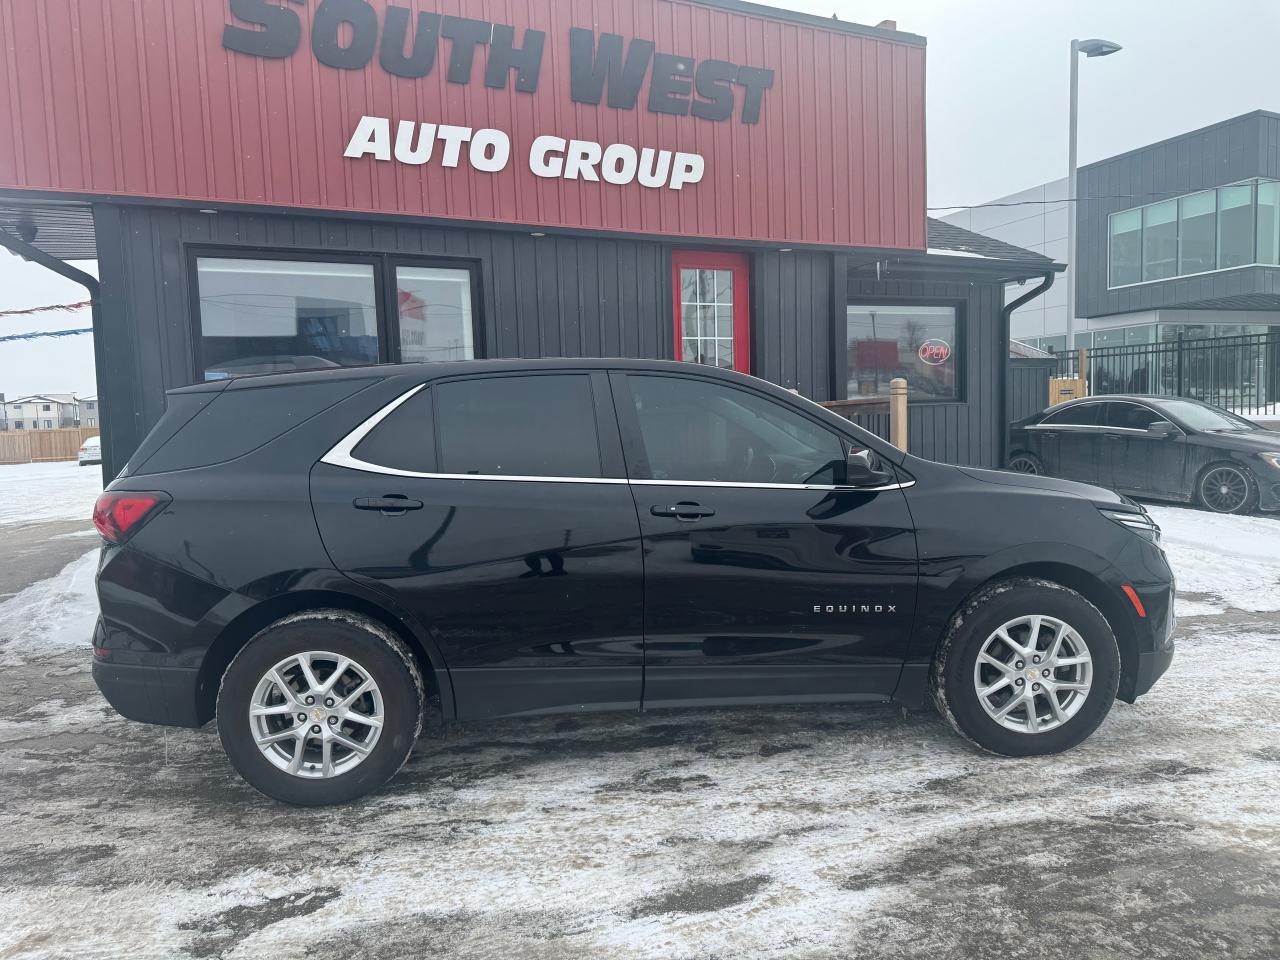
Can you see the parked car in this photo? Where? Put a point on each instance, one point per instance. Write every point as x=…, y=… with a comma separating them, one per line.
x=313, y=557
x=1162, y=448
x=90, y=451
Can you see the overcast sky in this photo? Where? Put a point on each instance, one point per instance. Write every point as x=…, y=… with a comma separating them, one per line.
x=996, y=113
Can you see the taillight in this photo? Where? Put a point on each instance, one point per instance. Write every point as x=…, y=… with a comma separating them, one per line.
x=119, y=514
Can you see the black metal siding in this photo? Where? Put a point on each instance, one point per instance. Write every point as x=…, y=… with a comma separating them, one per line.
x=544, y=296
x=968, y=431
x=1236, y=149
x=1028, y=385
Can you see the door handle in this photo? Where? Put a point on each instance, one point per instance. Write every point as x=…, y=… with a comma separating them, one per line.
x=1113, y=436
x=682, y=511
x=393, y=505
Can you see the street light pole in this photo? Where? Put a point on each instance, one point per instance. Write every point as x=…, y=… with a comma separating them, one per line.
x=1090, y=48
x=1072, y=115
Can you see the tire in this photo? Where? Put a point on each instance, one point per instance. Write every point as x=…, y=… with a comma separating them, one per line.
x=1226, y=487
x=1024, y=462
x=973, y=630
x=328, y=771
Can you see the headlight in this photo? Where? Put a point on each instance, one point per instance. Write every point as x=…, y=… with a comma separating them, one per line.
x=1272, y=459
x=1139, y=523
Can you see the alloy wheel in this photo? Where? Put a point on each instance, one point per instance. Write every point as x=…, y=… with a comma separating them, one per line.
x=1033, y=674
x=1023, y=465
x=316, y=714
x=1224, y=489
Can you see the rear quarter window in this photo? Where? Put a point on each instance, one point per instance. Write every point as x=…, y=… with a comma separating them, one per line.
x=241, y=419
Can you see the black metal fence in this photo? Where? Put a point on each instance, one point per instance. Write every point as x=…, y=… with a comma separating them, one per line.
x=1241, y=374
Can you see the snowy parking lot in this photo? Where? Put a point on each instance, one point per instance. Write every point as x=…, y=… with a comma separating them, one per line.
x=803, y=832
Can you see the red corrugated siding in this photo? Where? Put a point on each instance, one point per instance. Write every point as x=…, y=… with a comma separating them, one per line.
x=138, y=97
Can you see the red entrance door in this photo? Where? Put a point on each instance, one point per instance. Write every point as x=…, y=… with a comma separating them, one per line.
x=712, y=316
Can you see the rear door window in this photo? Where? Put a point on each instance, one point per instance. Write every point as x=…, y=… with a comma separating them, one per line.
x=528, y=426
x=405, y=439
x=1082, y=415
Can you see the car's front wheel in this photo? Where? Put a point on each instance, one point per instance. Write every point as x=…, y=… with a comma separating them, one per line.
x=320, y=707
x=1027, y=667
x=1226, y=488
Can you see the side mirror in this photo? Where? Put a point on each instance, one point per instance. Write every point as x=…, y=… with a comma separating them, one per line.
x=1162, y=429
x=863, y=469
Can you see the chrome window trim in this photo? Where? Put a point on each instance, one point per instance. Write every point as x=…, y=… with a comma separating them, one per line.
x=770, y=486
x=341, y=455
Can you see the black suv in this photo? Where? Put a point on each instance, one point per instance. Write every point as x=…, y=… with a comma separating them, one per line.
x=313, y=557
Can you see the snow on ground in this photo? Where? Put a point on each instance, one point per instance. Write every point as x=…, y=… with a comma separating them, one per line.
x=1227, y=561
x=51, y=615
x=34, y=492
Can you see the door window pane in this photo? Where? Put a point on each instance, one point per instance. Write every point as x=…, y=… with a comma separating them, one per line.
x=1235, y=226
x=706, y=317
x=1199, y=232
x=434, y=304
x=272, y=316
x=1083, y=415
x=1131, y=416
x=405, y=439
x=1126, y=247
x=700, y=431
x=534, y=426
x=1160, y=240
x=917, y=343
x=1269, y=223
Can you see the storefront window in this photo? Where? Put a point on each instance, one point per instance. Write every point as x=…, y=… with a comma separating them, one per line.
x=1235, y=226
x=1160, y=240
x=272, y=316
x=1126, y=247
x=917, y=343
x=1269, y=223
x=434, y=305
x=1198, y=243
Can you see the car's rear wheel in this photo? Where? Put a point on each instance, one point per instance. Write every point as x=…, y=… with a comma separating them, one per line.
x=1027, y=667
x=1226, y=488
x=1024, y=462
x=321, y=707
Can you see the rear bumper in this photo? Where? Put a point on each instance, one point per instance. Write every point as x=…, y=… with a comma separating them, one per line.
x=149, y=694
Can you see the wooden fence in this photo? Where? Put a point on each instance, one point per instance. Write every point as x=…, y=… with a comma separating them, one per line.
x=41, y=446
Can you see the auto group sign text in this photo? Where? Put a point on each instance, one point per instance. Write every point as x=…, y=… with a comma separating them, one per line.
x=609, y=69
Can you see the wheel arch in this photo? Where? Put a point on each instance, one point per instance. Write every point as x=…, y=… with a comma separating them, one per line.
x=1090, y=586
x=232, y=638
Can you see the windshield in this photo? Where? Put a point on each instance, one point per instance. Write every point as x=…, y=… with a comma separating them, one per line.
x=1202, y=417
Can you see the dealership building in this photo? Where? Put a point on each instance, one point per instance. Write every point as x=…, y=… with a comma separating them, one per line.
x=271, y=185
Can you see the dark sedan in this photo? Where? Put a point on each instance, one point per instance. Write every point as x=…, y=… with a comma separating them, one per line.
x=1159, y=447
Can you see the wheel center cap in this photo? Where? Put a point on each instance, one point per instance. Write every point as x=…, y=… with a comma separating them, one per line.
x=1033, y=674
x=317, y=714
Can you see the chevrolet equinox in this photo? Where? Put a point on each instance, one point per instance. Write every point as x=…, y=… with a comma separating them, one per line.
x=311, y=558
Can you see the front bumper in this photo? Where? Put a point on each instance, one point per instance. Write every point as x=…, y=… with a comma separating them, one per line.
x=149, y=694
x=1150, y=668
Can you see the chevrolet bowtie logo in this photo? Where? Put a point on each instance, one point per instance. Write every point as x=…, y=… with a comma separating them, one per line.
x=855, y=608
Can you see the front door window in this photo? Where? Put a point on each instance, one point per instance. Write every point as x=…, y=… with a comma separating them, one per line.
x=712, y=324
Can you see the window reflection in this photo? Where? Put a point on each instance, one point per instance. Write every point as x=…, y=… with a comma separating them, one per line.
x=917, y=343
x=274, y=316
